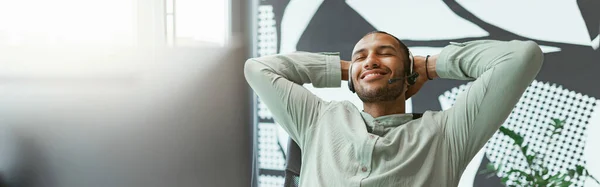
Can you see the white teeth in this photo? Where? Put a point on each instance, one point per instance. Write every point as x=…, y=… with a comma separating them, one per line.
x=372, y=74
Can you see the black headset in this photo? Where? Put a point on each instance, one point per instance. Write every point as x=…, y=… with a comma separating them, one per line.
x=411, y=79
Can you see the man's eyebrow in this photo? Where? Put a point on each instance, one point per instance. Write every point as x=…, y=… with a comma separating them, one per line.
x=381, y=47
x=386, y=47
x=359, y=51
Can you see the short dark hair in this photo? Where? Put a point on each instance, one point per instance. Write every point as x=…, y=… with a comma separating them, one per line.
x=402, y=47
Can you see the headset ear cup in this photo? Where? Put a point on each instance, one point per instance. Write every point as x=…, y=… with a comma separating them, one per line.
x=350, y=85
x=412, y=79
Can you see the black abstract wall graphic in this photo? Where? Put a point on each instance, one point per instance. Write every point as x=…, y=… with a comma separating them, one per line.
x=317, y=37
x=335, y=25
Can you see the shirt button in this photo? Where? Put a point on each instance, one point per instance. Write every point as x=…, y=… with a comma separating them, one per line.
x=364, y=169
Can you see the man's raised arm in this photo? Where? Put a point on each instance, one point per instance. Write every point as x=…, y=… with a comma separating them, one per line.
x=503, y=70
x=278, y=80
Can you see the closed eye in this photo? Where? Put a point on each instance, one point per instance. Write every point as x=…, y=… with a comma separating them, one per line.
x=386, y=52
x=359, y=58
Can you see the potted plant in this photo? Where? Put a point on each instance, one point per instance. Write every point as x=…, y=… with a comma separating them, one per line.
x=537, y=173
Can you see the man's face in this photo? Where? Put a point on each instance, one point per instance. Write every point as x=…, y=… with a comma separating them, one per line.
x=376, y=58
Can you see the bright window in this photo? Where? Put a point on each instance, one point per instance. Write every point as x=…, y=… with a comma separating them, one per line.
x=197, y=22
x=67, y=22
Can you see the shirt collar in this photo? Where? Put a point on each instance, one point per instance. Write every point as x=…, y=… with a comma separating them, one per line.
x=392, y=120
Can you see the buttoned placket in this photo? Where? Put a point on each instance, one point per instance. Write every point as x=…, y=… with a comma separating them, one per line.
x=365, y=167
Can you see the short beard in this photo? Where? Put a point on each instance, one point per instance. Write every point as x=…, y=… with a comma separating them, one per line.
x=388, y=93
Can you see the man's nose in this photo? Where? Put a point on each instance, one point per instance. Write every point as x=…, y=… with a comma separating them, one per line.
x=371, y=62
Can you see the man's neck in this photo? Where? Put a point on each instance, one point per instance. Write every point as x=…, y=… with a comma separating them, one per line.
x=383, y=108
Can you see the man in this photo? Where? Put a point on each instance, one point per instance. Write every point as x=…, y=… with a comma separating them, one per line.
x=383, y=146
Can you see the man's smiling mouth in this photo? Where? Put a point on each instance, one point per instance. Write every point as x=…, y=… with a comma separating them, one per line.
x=372, y=74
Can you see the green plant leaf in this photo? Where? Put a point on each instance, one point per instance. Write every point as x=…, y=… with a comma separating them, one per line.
x=553, y=178
x=558, y=122
x=489, y=168
x=571, y=173
x=524, y=149
x=565, y=184
x=529, y=178
x=516, y=137
x=539, y=181
x=504, y=179
x=580, y=169
x=518, y=172
x=557, y=125
x=519, y=182
x=594, y=178
x=530, y=159
x=484, y=171
x=558, y=178
x=545, y=171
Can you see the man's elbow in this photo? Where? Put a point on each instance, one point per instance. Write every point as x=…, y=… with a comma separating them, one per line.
x=251, y=68
x=533, y=52
x=529, y=53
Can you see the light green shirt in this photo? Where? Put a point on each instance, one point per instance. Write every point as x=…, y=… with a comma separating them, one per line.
x=337, y=149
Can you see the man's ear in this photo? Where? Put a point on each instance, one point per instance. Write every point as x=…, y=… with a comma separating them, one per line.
x=405, y=89
x=406, y=85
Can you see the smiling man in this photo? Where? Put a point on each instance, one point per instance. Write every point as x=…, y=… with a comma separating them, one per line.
x=382, y=145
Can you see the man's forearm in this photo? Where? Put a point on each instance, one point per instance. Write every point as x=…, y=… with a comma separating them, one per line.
x=278, y=80
x=502, y=70
x=467, y=61
x=300, y=68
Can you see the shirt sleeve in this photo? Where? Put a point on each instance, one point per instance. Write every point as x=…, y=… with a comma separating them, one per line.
x=278, y=80
x=502, y=70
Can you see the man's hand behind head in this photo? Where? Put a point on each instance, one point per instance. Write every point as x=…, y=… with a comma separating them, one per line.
x=421, y=68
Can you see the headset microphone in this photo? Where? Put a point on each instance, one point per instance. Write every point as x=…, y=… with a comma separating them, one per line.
x=391, y=81
x=412, y=79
